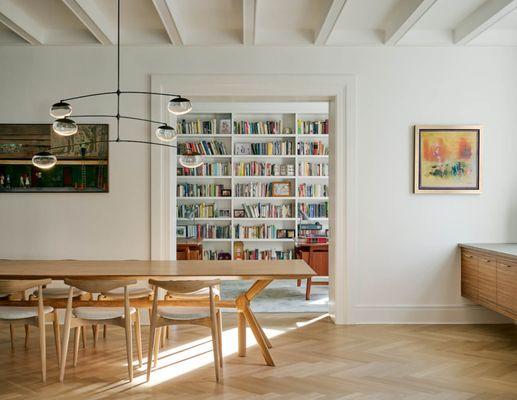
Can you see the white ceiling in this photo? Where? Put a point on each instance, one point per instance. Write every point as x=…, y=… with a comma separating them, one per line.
x=261, y=22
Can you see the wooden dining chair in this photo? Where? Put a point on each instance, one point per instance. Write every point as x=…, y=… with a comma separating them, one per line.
x=184, y=315
x=76, y=317
x=192, y=299
x=34, y=316
x=134, y=292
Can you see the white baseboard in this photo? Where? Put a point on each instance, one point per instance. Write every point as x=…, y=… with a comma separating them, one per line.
x=429, y=314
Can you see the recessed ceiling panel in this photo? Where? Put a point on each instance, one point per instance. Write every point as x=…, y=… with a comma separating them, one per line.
x=365, y=14
x=447, y=14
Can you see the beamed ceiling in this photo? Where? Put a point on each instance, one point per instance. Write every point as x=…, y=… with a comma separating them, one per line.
x=261, y=22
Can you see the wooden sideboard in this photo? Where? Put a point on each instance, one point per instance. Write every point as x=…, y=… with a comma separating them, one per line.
x=489, y=276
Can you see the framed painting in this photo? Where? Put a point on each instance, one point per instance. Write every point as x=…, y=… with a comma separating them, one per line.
x=448, y=159
x=75, y=172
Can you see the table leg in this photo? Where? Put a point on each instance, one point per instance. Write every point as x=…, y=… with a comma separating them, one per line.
x=242, y=303
x=241, y=319
x=264, y=336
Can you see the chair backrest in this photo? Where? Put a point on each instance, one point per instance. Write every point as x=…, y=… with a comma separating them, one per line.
x=184, y=287
x=98, y=285
x=11, y=286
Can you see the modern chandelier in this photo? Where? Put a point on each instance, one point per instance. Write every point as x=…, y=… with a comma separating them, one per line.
x=64, y=125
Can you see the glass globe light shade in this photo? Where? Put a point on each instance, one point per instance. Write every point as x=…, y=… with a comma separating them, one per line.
x=44, y=160
x=179, y=105
x=60, y=110
x=64, y=127
x=165, y=133
x=190, y=160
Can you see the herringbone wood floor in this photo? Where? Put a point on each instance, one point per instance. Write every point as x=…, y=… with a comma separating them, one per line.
x=315, y=360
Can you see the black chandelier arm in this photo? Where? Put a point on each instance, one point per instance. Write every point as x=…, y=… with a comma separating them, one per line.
x=111, y=141
x=142, y=119
x=93, y=116
x=89, y=95
x=149, y=93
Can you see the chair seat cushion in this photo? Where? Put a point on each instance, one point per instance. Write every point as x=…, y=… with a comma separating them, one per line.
x=15, y=312
x=183, y=313
x=2, y=295
x=100, y=313
x=59, y=292
x=201, y=294
x=134, y=292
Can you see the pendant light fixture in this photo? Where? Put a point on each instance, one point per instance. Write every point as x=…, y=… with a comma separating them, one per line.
x=65, y=125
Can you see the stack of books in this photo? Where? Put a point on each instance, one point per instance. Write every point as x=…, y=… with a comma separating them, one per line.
x=199, y=190
x=207, y=169
x=313, y=210
x=256, y=254
x=253, y=189
x=278, y=148
x=312, y=127
x=255, y=232
x=257, y=128
x=268, y=210
x=312, y=149
x=312, y=190
x=313, y=169
x=197, y=127
x=208, y=231
x=256, y=168
x=204, y=147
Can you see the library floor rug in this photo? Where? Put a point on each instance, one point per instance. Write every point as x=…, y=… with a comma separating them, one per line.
x=281, y=296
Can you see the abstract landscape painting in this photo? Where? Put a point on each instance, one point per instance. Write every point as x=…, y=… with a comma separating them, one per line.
x=448, y=159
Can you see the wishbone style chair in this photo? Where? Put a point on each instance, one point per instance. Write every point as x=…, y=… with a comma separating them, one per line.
x=26, y=315
x=123, y=317
x=201, y=295
x=184, y=315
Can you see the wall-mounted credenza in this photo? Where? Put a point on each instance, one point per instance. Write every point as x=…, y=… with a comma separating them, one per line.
x=489, y=276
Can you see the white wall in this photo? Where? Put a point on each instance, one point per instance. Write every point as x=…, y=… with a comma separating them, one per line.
x=408, y=260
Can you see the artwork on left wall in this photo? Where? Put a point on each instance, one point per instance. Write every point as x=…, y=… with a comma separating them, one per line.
x=448, y=159
x=77, y=171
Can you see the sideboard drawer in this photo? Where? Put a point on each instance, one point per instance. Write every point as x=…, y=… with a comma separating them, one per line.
x=487, y=276
x=507, y=286
x=469, y=275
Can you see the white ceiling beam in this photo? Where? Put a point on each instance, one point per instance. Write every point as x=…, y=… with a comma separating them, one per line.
x=329, y=24
x=404, y=17
x=169, y=21
x=96, y=21
x=249, y=21
x=482, y=19
x=17, y=20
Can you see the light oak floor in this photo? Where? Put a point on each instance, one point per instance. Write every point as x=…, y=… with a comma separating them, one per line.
x=315, y=360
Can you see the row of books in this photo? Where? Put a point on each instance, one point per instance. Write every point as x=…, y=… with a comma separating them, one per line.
x=207, y=169
x=197, y=127
x=216, y=255
x=312, y=149
x=312, y=127
x=312, y=190
x=313, y=169
x=201, y=210
x=256, y=168
x=208, y=148
x=279, y=148
x=205, y=231
x=256, y=254
x=254, y=189
x=268, y=210
x=199, y=190
x=319, y=210
x=257, y=128
x=255, y=232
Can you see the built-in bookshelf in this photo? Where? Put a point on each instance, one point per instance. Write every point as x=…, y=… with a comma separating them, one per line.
x=261, y=168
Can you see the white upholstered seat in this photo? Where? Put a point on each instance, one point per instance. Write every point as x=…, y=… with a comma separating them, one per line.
x=2, y=295
x=183, y=313
x=15, y=312
x=133, y=292
x=100, y=313
x=59, y=292
x=201, y=294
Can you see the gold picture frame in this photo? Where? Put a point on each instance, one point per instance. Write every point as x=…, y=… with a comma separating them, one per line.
x=448, y=159
x=281, y=189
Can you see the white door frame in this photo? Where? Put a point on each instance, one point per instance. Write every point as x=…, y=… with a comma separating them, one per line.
x=340, y=91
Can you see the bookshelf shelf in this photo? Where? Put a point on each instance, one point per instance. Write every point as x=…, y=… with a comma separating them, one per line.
x=256, y=120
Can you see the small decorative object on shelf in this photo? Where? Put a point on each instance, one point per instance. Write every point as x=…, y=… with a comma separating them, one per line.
x=239, y=213
x=238, y=250
x=225, y=127
x=281, y=234
x=281, y=189
x=226, y=192
x=290, y=233
x=181, y=231
x=243, y=149
x=224, y=256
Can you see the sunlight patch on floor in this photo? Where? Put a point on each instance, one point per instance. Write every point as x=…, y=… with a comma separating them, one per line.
x=190, y=356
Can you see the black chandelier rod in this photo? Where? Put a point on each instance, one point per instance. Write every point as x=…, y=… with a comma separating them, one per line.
x=119, y=116
x=121, y=92
x=112, y=141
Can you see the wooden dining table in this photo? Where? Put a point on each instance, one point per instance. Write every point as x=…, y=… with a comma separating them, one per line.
x=262, y=272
